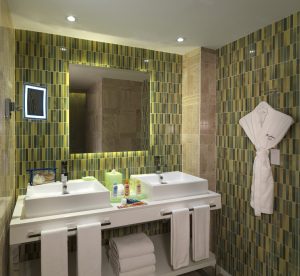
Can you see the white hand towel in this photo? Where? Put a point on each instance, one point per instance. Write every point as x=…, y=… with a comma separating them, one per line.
x=145, y=271
x=131, y=245
x=54, y=252
x=200, y=235
x=89, y=249
x=133, y=263
x=180, y=238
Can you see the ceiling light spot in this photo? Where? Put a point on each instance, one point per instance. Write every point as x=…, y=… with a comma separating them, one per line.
x=180, y=39
x=63, y=49
x=146, y=60
x=71, y=18
x=252, y=51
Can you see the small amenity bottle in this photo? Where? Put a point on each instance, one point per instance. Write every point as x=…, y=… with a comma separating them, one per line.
x=115, y=190
x=126, y=188
x=138, y=187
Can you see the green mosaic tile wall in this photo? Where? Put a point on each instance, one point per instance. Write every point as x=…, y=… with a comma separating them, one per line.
x=39, y=60
x=264, y=65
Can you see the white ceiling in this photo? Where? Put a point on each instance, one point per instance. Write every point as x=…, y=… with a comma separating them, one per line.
x=152, y=24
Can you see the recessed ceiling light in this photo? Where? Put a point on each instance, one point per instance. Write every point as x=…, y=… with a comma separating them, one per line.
x=252, y=51
x=71, y=18
x=146, y=60
x=180, y=39
x=63, y=49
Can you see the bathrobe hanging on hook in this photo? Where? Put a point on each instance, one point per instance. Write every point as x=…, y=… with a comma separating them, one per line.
x=265, y=127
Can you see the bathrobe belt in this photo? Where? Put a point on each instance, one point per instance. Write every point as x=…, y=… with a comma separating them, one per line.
x=262, y=183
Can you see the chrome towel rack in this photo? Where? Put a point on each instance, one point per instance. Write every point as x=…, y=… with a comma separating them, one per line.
x=36, y=235
x=190, y=209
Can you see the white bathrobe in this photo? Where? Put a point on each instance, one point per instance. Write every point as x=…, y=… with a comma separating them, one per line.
x=265, y=127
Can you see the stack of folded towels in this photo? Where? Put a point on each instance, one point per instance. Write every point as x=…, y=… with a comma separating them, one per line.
x=132, y=255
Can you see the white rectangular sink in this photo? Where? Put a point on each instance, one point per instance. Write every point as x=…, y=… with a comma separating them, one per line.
x=47, y=199
x=172, y=185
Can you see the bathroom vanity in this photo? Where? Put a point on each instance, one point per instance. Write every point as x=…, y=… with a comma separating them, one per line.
x=26, y=230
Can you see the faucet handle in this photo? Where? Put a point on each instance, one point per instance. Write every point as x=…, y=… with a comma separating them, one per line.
x=64, y=167
x=157, y=160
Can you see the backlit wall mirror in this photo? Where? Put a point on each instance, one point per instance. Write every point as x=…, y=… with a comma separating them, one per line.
x=109, y=109
x=34, y=102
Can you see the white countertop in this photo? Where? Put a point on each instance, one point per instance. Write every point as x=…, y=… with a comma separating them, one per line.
x=20, y=227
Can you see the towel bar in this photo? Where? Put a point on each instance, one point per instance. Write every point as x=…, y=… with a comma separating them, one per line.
x=35, y=235
x=190, y=209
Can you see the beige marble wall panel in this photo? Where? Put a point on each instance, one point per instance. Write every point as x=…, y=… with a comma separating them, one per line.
x=208, y=117
x=199, y=114
x=191, y=80
x=191, y=162
x=191, y=118
x=7, y=131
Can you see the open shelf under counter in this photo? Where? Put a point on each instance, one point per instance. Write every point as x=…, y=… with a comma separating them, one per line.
x=162, y=253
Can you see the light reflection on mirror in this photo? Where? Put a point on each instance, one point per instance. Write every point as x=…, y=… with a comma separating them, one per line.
x=109, y=109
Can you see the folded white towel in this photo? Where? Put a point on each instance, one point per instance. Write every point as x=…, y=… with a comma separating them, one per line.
x=144, y=271
x=89, y=249
x=133, y=263
x=180, y=238
x=54, y=252
x=131, y=245
x=200, y=235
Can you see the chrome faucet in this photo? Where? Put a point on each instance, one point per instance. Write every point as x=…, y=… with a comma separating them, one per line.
x=157, y=164
x=161, y=178
x=64, y=177
x=64, y=185
x=158, y=170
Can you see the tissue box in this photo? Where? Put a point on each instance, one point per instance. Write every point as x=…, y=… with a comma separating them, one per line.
x=112, y=177
x=42, y=176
